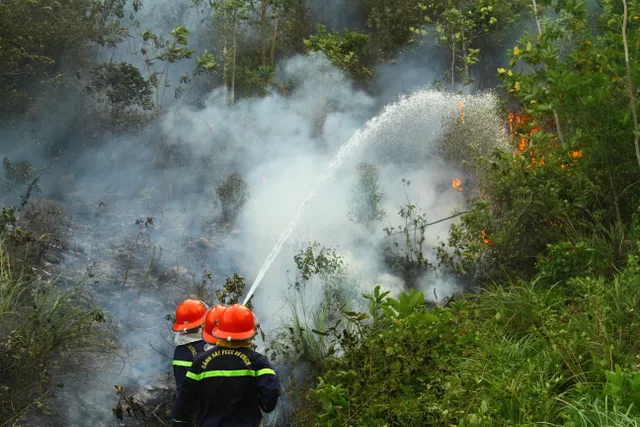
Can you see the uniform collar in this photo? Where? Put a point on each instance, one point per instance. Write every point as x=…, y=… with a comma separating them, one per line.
x=234, y=344
x=184, y=339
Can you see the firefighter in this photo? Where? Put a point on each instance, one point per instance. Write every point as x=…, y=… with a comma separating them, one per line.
x=210, y=319
x=231, y=382
x=188, y=327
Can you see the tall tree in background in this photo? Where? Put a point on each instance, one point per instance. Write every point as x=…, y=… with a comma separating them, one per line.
x=35, y=34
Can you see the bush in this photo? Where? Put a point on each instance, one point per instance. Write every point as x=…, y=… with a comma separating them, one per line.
x=514, y=355
x=232, y=195
x=347, y=51
x=39, y=323
x=367, y=197
x=404, y=249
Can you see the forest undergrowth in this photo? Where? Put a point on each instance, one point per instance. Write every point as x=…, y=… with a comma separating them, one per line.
x=548, y=332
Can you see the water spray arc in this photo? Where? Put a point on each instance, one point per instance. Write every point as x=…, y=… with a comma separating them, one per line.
x=355, y=141
x=361, y=135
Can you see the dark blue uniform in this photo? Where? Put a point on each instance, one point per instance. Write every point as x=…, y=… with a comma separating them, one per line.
x=232, y=387
x=183, y=357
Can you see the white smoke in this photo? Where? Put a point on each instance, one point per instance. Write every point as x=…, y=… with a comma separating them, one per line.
x=280, y=144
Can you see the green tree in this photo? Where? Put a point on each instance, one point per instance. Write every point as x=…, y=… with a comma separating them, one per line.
x=125, y=92
x=346, y=51
x=158, y=55
x=228, y=15
x=390, y=23
x=232, y=194
x=460, y=26
x=35, y=34
x=578, y=187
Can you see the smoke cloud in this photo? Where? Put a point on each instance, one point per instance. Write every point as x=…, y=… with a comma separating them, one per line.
x=279, y=144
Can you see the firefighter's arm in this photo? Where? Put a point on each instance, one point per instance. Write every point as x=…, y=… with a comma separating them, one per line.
x=267, y=385
x=184, y=403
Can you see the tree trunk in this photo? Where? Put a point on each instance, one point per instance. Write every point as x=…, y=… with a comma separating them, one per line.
x=556, y=117
x=632, y=98
x=465, y=63
x=225, y=62
x=274, y=37
x=233, y=64
x=453, y=62
x=263, y=32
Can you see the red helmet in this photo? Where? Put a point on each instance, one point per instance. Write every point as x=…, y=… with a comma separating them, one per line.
x=237, y=323
x=210, y=321
x=189, y=315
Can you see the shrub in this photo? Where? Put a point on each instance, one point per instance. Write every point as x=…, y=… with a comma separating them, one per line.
x=232, y=195
x=514, y=355
x=40, y=322
x=404, y=249
x=367, y=197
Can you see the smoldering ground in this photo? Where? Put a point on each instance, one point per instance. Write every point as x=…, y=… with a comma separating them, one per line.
x=279, y=144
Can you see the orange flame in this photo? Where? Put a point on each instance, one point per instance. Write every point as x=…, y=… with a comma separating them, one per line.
x=462, y=112
x=483, y=235
x=523, y=138
x=455, y=183
x=575, y=155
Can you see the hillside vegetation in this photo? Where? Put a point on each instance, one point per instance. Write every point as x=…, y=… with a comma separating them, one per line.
x=550, y=332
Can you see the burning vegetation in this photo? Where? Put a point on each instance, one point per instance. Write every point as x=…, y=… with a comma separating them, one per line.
x=522, y=129
x=131, y=199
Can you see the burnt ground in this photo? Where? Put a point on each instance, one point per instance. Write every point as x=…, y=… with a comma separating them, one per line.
x=136, y=268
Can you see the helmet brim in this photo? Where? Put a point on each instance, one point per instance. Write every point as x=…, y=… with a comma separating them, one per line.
x=233, y=336
x=208, y=337
x=181, y=327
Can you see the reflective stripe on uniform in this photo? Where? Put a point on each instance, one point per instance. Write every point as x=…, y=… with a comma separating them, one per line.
x=178, y=421
x=182, y=363
x=231, y=373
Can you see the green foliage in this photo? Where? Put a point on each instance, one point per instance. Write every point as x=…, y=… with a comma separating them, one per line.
x=37, y=33
x=623, y=386
x=159, y=54
x=390, y=24
x=325, y=269
x=206, y=64
x=232, y=291
x=18, y=172
x=302, y=342
x=255, y=81
x=318, y=260
x=519, y=355
x=123, y=85
x=41, y=322
x=585, y=413
x=404, y=250
x=565, y=260
x=7, y=220
x=565, y=181
x=467, y=243
x=461, y=26
x=346, y=51
x=127, y=93
x=367, y=197
x=232, y=195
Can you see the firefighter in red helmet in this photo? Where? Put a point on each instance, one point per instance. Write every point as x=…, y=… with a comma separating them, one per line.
x=188, y=340
x=210, y=320
x=232, y=383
